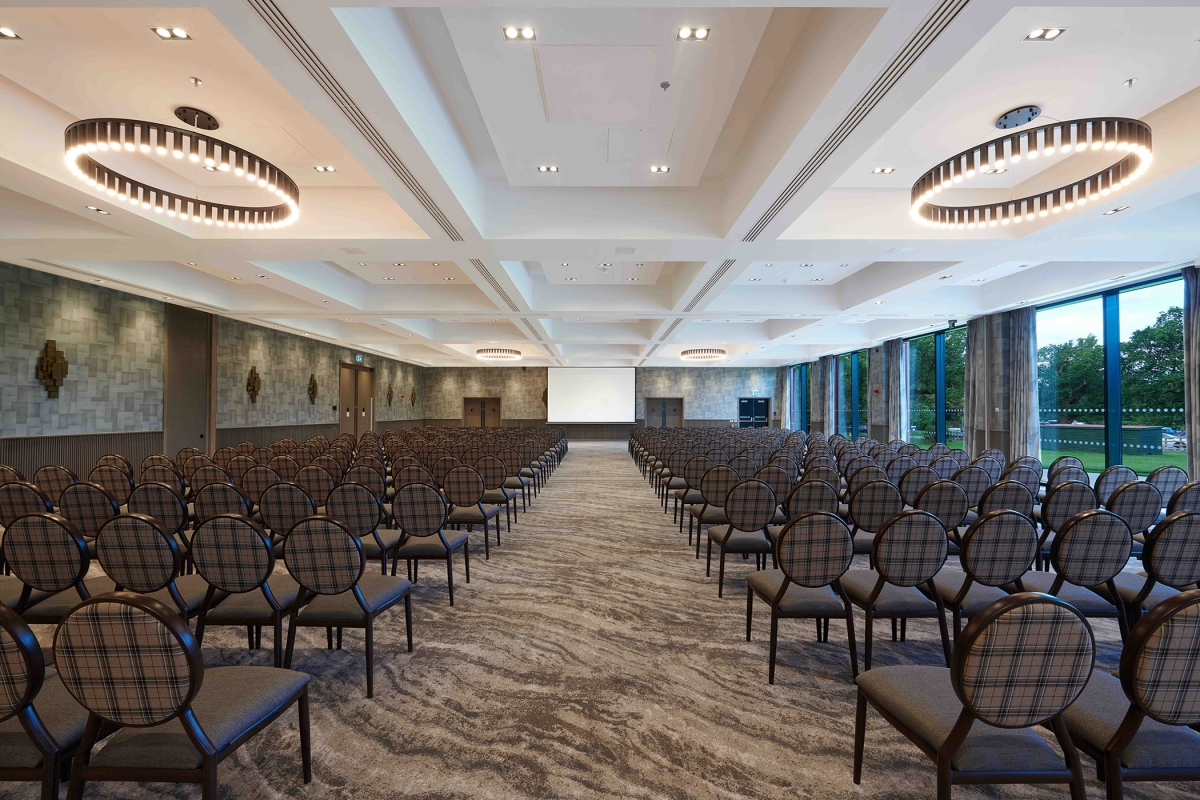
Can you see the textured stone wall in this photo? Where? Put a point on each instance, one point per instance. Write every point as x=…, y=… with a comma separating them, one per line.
x=710, y=393
x=520, y=390
x=285, y=362
x=113, y=344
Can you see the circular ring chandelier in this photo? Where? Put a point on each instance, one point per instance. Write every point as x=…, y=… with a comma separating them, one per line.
x=90, y=136
x=703, y=354
x=1128, y=136
x=498, y=354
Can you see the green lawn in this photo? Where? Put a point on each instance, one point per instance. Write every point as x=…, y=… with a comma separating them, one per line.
x=1142, y=465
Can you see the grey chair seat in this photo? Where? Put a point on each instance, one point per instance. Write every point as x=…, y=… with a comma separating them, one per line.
x=689, y=497
x=949, y=583
x=676, y=483
x=1129, y=585
x=798, y=600
x=192, y=589
x=252, y=604
x=11, y=588
x=499, y=496
x=380, y=591
x=516, y=482
x=922, y=699
x=863, y=542
x=1083, y=599
x=62, y=716
x=971, y=516
x=231, y=701
x=780, y=517
x=471, y=515
x=431, y=546
x=735, y=541
x=859, y=583
x=1098, y=712
x=711, y=514
x=389, y=538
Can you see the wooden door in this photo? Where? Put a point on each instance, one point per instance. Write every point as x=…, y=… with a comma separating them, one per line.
x=471, y=417
x=365, y=400
x=672, y=412
x=489, y=412
x=654, y=408
x=347, y=385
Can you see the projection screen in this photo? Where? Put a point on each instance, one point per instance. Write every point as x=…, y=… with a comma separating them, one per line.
x=589, y=394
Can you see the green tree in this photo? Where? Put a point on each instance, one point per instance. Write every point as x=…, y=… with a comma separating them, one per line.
x=1071, y=381
x=1152, y=372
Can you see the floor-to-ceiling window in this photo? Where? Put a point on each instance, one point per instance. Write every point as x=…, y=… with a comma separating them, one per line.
x=956, y=373
x=800, y=398
x=936, y=387
x=922, y=390
x=853, y=389
x=1134, y=336
x=864, y=393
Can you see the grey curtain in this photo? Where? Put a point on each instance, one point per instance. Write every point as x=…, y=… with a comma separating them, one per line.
x=895, y=357
x=822, y=414
x=1191, y=367
x=975, y=388
x=789, y=398
x=1024, y=429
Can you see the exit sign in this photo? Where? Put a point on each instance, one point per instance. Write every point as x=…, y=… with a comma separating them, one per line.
x=754, y=392
x=358, y=358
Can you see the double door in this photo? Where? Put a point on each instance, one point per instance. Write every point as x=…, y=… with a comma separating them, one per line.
x=481, y=412
x=356, y=399
x=664, y=412
x=753, y=412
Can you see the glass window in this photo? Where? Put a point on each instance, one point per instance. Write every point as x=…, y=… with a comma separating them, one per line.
x=922, y=390
x=1071, y=382
x=864, y=392
x=1152, y=421
x=956, y=373
x=845, y=385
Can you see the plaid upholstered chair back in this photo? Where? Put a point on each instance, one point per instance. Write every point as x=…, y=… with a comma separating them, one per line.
x=874, y=504
x=113, y=460
x=787, y=463
x=811, y=496
x=417, y=474
x=1065, y=501
x=1026, y=476
x=442, y=467
x=238, y=466
x=995, y=453
x=52, y=479
x=244, y=448
x=999, y=547
x=419, y=509
x=847, y=456
x=304, y=455
x=115, y=481
x=1172, y=554
x=317, y=481
x=492, y=470
x=1167, y=480
x=184, y=454
x=220, y=498
x=907, y=449
x=992, y=467
x=716, y=483
x=750, y=505
x=814, y=549
x=864, y=475
x=974, y=481
x=369, y=477
x=912, y=482
x=946, y=500
x=356, y=507
x=824, y=474
x=924, y=457
x=330, y=464
x=1022, y=660
x=208, y=474
x=961, y=457
x=161, y=473
x=1009, y=495
x=1068, y=473
x=88, y=506
x=257, y=479
x=945, y=466
x=463, y=485
x=22, y=666
x=9, y=475
x=885, y=456
x=910, y=548
x=939, y=449
x=262, y=455
x=233, y=554
x=341, y=454
x=1138, y=503
x=374, y=460
x=718, y=456
x=695, y=469
x=1186, y=498
x=223, y=456
x=779, y=481
x=189, y=468
x=1032, y=462
x=1158, y=665
x=323, y=555
x=742, y=465
x=138, y=553
x=128, y=659
x=1064, y=461
x=283, y=505
x=162, y=502
x=46, y=552
x=899, y=466
x=1112, y=479
x=284, y=466
x=1091, y=548
x=19, y=498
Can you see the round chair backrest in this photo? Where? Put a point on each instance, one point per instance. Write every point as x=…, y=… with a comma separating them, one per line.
x=1033, y=462
x=463, y=485
x=283, y=505
x=1167, y=480
x=356, y=507
x=1065, y=501
x=1186, y=498
x=1025, y=476
x=910, y=548
x=323, y=555
x=994, y=453
x=9, y=475
x=220, y=498
x=742, y=465
x=819, y=459
x=257, y=479
x=775, y=477
x=160, y=473
x=1067, y=473
x=814, y=549
x=1138, y=503
x=750, y=505
x=885, y=456
x=419, y=509
x=232, y=553
x=786, y=463
x=695, y=469
x=184, y=454
x=113, y=460
x=924, y=457
x=208, y=474
x=1158, y=662
x=945, y=467
x=716, y=483
x=472, y=454
x=223, y=456
x=492, y=471
x=961, y=456
x=825, y=474
x=114, y=480
x=374, y=462
x=1022, y=660
x=340, y=456
x=677, y=461
x=992, y=467
x=1112, y=479
x=439, y=452
x=899, y=466
x=22, y=665
x=442, y=467
x=19, y=498
x=907, y=449
x=858, y=462
x=330, y=465
x=415, y=474
x=756, y=457
x=999, y=547
x=718, y=456
x=946, y=500
x=262, y=455
x=46, y=552
x=874, y=504
x=912, y=482
x=128, y=659
x=162, y=502
x=369, y=477
x=88, y=506
x=865, y=475
x=303, y=455
x=847, y=455
x=137, y=553
x=1007, y=495
x=939, y=449
x=1091, y=548
x=52, y=479
x=1064, y=461
x=974, y=481
x=244, y=448
x=1172, y=553
x=316, y=481
x=811, y=496
x=285, y=466
x=189, y=468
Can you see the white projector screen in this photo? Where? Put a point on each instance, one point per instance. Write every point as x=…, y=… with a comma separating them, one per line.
x=585, y=394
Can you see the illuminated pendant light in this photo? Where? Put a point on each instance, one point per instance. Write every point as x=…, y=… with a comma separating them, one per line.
x=498, y=354
x=703, y=354
x=1128, y=136
x=90, y=136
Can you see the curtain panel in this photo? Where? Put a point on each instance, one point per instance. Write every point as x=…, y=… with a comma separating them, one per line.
x=895, y=357
x=789, y=398
x=975, y=388
x=1025, y=433
x=1191, y=367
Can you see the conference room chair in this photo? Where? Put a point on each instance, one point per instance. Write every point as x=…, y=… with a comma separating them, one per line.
x=420, y=513
x=18, y=498
x=714, y=487
x=262, y=455
x=52, y=479
x=677, y=465
x=1026, y=476
x=993, y=467
x=898, y=467
x=362, y=512
x=9, y=474
x=115, y=481
x=781, y=484
x=1168, y=480
x=244, y=448
x=1112, y=479
x=945, y=467
x=138, y=554
x=907, y=553
x=464, y=491
x=912, y=482
x=281, y=507
x=749, y=506
x=804, y=498
x=88, y=506
x=515, y=480
x=206, y=475
x=869, y=509
x=256, y=480
x=1136, y=724
x=974, y=481
x=1138, y=503
x=1009, y=495
x=491, y=470
x=161, y=473
x=220, y=498
x=188, y=719
x=947, y=501
x=812, y=552
x=1063, y=501
x=968, y=720
x=115, y=460
x=1171, y=560
x=50, y=559
x=222, y=456
x=370, y=476
x=317, y=482
x=166, y=505
x=693, y=473
x=41, y=725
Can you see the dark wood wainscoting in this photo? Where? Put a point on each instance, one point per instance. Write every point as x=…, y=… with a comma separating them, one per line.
x=596, y=430
x=266, y=434
x=78, y=452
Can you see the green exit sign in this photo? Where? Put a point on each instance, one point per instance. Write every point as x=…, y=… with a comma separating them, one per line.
x=754, y=392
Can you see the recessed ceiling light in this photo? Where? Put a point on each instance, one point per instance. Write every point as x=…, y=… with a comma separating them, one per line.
x=1116, y=210
x=324, y=301
x=397, y=263
x=97, y=280
x=384, y=324
x=659, y=169
x=1045, y=34
x=347, y=319
x=634, y=280
x=572, y=279
x=817, y=280
x=579, y=319
x=448, y=278
x=170, y=34
x=1129, y=82
x=878, y=302
x=687, y=34
x=191, y=263
x=436, y=264
x=514, y=34
x=168, y=297
x=755, y=280
x=264, y=277
x=97, y=210
x=883, y=170
x=325, y=169
x=236, y=278
x=545, y=168
x=995, y=170
x=210, y=169
x=362, y=263
x=8, y=33
x=979, y=280
x=945, y=277
x=388, y=278
x=565, y=264
x=606, y=264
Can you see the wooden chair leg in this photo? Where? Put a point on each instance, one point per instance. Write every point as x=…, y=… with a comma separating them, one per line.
x=720, y=573
x=450, y=575
x=774, y=640
x=860, y=735
x=467, y=559
x=370, y=659
x=408, y=619
x=305, y=738
x=749, y=610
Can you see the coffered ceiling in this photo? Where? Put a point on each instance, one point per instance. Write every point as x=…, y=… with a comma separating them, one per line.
x=771, y=236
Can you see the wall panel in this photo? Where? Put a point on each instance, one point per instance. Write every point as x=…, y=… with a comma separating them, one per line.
x=77, y=452
x=266, y=434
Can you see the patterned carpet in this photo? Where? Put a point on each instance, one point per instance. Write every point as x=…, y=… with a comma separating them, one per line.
x=590, y=657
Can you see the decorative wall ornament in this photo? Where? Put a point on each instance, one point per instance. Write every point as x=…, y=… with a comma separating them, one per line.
x=389, y=395
x=545, y=397
x=52, y=369
x=412, y=398
x=253, y=385
x=312, y=389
